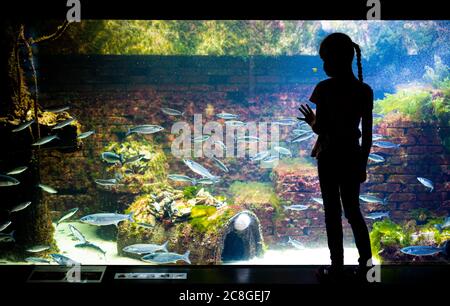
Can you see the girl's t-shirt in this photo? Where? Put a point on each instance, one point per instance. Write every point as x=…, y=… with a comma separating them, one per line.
x=340, y=105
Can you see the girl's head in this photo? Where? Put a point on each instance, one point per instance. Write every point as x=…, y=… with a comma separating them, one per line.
x=337, y=51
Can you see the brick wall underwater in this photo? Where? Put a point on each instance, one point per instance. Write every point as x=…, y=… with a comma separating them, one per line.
x=111, y=93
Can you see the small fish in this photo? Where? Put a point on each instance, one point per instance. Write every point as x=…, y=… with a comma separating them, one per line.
x=376, y=158
x=260, y=155
x=270, y=159
x=85, y=134
x=91, y=245
x=112, y=158
x=235, y=123
x=300, y=132
x=201, y=138
x=207, y=181
x=227, y=116
x=44, y=140
x=67, y=215
x=106, y=219
x=77, y=234
x=282, y=151
x=7, y=181
x=444, y=225
x=385, y=144
x=372, y=199
x=296, y=244
x=63, y=260
x=165, y=258
x=47, y=188
x=20, y=206
x=142, y=249
x=424, y=250
x=37, y=260
x=426, y=182
x=23, y=126
x=106, y=182
x=17, y=170
x=59, y=109
x=38, y=248
x=199, y=169
x=7, y=237
x=171, y=111
x=64, y=123
x=4, y=225
x=220, y=144
x=144, y=129
x=302, y=137
x=247, y=139
x=134, y=159
x=317, y=200
x=285, y=121
x=377, y=215
x=145, y=225
x=377, y=137
x=181, y=178
x=296, y=207
x=220, y=164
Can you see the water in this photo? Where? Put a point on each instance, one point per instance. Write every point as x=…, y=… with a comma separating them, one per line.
x=152, y=117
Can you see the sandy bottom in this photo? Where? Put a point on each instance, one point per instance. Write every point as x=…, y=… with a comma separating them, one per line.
x=66, y=243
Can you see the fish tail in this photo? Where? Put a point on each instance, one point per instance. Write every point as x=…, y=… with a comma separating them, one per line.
x=164, y=246
x=130, y=217
x=285, y=207
x=445, y=248
x=128, y=133
x=194, y=182
x=186, y=257
x=438, y=227
x=12, y=233
x=385, y=201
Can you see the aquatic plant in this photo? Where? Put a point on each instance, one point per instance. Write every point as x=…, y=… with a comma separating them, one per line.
x=386, y=233
x=253, y=193
x=189, y=192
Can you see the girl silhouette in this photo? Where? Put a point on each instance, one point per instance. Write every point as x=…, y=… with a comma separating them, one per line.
x=342, y=102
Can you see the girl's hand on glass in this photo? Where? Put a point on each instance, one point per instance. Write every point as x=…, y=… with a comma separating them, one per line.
x=310, y=117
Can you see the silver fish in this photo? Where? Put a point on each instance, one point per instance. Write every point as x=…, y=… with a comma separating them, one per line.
x=171, y=111
x=47, y=188
x=300, y=132
x=4, y=225
x=372, y=199
x=145, y=129
x=44, y=140
x=197, y=168
x=134, y=159
x=85, y=134
x=112, y=158
x=317, y=200
x=424, y=250
x=207, y=181
x=20, y=206
x=17, y=170
x=90, y=245
x=106, y=219
x=227, y=116
x=220, y=144
x=234, y=123
x=147, y=248
x=7, y=237
x=270, y=159
x=259, y=156
x=201, y=138
x=296, y=244
x=385, y=144
x=181, y=178
x=376, y=158
x=59, y=109
x=23, y=126
x=220, y=164
x=6, y=181
x=64, y=123
x=165, y=258
x=38, y=248
x=377, y=215
x=302, y=137
x=69, y=214
x=77, y=234
x=377, y=137
x=426, y=182
x=106, y=182
x=37, y=260
x=145, y=225
x=63, y=260
x=285, y=121
x=296, y=207
x=247, y=139
x=282, y=151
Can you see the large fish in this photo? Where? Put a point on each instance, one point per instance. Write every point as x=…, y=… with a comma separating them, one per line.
x=63, y=260
x=426, y=182
x=23, y=126
x=106, y=219
x=7, y=237
x=77, y=234
x=247, y=139
x=171, y=111
x=147, y=248
x=260, y=155
x=47, y=188
x=64, y=123
x=372, y=199
x=219, y=164
x=165, y=258
x=112, y=158
x=6, y=181
x=285, y=121
x=38, y=248
x=91, y=245
x=4, y=225
x=424, y=250
x=385, y=144
x=282, y=150
x=317, y=200
x=302, y=137
x=377, y=215
x=106, y=182
x=227, y=116
x=17, y=170
x=181, y=178
x=44, y=140
x=144, y=129
x=199, y=169
x=234, y=123
x=296, y=207
x=85, y=134
x=37, y=260
x=67, y=215
x=20, y=206
x=376, y=158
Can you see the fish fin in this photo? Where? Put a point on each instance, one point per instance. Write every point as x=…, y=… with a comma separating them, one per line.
x=12, y=234
x=164, y=246
x=285, y=207
x=186, y=257
x=128, y=133
x=130, y=217
x=194, y=182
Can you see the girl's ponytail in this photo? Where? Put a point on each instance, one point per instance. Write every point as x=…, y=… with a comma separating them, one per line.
x=358, y=61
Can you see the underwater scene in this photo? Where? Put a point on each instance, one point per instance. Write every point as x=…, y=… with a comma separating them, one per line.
x=177, y=142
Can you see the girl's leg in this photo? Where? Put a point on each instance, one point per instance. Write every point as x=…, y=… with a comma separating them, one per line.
x=332, y=206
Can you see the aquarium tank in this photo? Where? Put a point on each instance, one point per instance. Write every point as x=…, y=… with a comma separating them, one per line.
x=148, y=142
